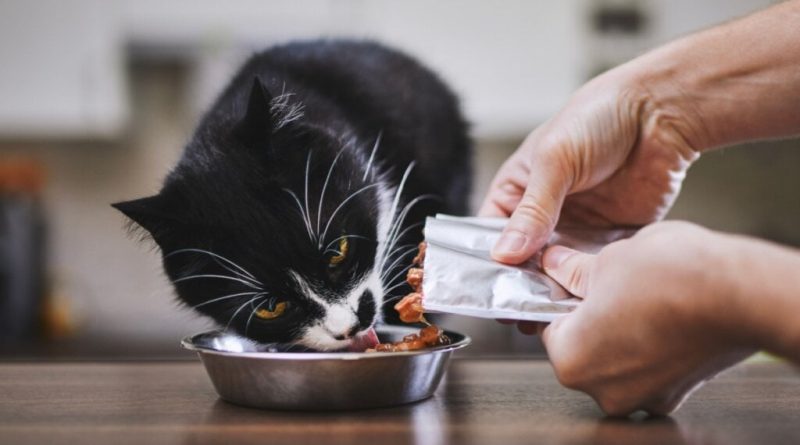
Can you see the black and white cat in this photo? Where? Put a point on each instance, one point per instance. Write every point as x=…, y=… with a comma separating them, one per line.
x=297, y=204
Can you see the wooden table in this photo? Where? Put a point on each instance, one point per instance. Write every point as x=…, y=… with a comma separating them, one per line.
x=480, y=402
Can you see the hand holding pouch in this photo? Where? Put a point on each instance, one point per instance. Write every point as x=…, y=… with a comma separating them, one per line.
x=462, y=278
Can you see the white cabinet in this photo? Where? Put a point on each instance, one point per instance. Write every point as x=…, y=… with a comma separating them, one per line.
x=61, y=70
x=513, y=63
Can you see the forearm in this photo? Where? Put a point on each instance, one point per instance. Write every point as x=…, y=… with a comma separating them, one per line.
x=736, y=82
x=764, y=294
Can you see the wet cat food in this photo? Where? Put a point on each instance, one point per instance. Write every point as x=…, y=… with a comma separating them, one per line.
x=428, y=336
x=410, y=308
x=411, y=311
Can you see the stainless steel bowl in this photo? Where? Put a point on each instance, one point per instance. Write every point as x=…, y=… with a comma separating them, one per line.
x=261, y=376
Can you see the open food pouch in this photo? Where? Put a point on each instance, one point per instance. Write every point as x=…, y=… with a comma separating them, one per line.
x=460, y=277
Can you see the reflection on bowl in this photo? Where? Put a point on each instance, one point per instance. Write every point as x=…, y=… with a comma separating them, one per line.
x=273, y=377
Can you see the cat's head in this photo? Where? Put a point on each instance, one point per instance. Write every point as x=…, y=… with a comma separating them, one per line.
x=270, y=226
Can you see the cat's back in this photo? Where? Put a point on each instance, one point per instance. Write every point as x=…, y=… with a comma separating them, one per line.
x=379, y=89
x=366, y=80
x=369, y=89
x=347, y=68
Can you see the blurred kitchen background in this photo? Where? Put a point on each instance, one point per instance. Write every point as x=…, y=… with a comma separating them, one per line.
x=97, y=98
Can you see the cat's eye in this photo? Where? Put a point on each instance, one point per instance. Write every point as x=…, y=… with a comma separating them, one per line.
x=271, y=312
x=340, y=256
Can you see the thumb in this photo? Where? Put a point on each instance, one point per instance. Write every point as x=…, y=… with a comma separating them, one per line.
x=570, y=268
x=536, y=214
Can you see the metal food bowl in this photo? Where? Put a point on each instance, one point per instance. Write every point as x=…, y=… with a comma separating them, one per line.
x=270, y=376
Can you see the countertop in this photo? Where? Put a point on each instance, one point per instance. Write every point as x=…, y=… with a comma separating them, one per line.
x=480, y=402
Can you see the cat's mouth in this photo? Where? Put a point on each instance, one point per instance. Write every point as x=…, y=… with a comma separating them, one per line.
x=364, y=341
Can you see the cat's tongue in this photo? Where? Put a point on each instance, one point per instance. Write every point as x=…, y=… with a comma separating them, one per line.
x=366, y=340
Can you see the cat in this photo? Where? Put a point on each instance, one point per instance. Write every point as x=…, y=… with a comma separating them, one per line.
x=297, y=204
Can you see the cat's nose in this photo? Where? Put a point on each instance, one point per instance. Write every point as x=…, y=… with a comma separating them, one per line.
x=347, y=335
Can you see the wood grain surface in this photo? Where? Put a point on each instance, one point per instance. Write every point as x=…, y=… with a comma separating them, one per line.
x=480, y=402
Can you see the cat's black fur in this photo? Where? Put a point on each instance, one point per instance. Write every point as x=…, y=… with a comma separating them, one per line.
x=239, y=190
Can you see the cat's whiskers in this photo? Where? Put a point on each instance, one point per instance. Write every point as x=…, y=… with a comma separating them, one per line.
x=306, y=221
x=406, y=230
x=399, y=192
x=225, y=297
x=393, y=212
x=339, y=207
x=402, y=250
x=402, y=217
x=372, y=155
x=392, y=248
x=396, y=297
x=346, y=236
x=252, y=281
x=242, y=272
x=250, y=318
x=305, y=192
x=395, y=234
x=410, y=205
x=388, y=301
x=325, y=186
x=399, y=274
x=221, y=277
x=233, y=317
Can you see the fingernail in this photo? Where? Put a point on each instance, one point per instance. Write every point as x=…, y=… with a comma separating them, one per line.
x=510, y=242
x=555, y=256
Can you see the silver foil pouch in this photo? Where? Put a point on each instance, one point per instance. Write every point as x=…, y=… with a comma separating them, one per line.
x=460, y=277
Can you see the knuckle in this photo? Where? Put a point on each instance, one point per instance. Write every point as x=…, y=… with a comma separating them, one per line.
x=531, y=209
x=566, y=355
x=577, y=280
x=568, y=373
x=667, y=236
x=561, y=152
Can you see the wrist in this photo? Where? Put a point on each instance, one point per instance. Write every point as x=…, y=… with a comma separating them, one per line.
x=669, y=113
x=730, y=84
x=763, y=283
x=730, y=291
x=717, y=303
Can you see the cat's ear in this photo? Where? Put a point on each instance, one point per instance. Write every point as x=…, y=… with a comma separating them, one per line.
x=256, y=126
x=153, y=213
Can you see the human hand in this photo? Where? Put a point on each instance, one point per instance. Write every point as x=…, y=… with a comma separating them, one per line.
x=660, y=317
x=611, y=157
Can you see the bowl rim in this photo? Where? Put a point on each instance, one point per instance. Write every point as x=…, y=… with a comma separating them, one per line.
x=189, y=344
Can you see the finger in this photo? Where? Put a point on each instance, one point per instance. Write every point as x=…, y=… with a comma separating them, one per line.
x=570, y=268
x=490, y=208
x=506, y=189
x=563, y=351
x=550, y=330
x=536, y=214
x=540, y=328
x=530, y=327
